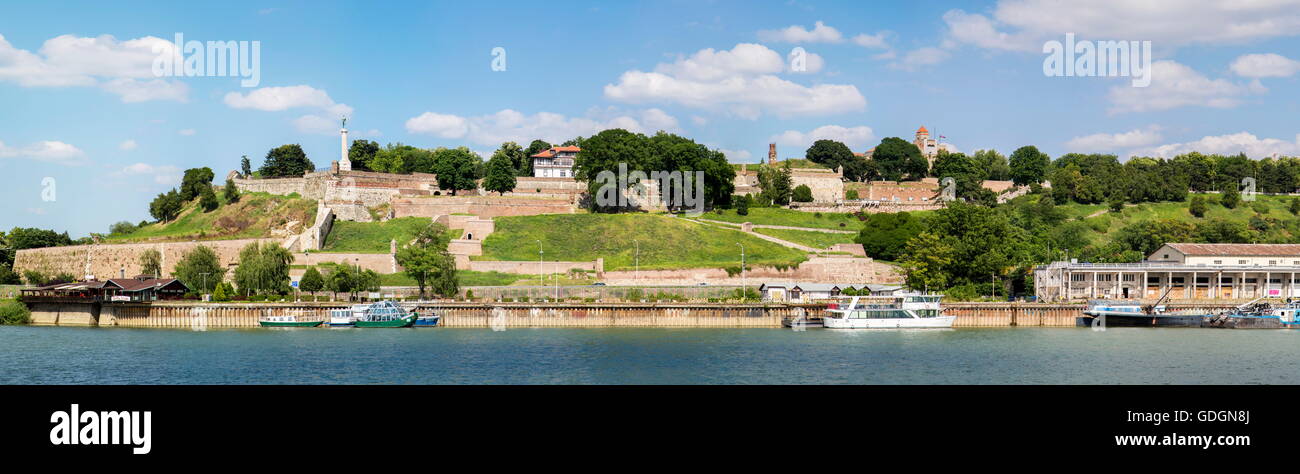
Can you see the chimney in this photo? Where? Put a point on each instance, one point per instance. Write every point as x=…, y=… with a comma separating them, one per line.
x=771, y=154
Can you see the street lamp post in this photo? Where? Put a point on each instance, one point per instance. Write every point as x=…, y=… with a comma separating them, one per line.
x=744, y=288
x=637, y=265
x=541, y=274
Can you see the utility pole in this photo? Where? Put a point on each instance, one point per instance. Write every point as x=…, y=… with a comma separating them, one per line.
x=541, y=274
x=205, y=280
x=637, y=265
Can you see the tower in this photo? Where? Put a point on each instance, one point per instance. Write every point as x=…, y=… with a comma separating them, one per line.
x=929, y=146
x=771, y=154
x=344, y=163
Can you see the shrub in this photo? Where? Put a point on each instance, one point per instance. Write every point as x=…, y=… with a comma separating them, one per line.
x=1259, y=207
x=851, y=195
x=13, y=312
x=802, y=193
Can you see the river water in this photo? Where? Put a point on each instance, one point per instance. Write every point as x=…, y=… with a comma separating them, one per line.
x=69, y=355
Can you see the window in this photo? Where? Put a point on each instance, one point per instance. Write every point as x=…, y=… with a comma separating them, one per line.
x=1178, y=280
x=1130, y=277
x=1077, y=277
x=1153, y=280
x=1250, y=280
x=1241, y=262
x=1202, y=280
x=1272, y=262
x=1218, y=262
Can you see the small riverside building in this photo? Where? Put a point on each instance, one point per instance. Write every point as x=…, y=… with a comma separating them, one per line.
x=138, y=289
x=1185, y=270
x=793, y=292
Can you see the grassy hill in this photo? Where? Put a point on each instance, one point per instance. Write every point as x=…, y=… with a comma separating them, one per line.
x=819, y=240
x=1103, y=222
x=787, y=217
x=374, y=237
x=665, y=242
x=255, y=215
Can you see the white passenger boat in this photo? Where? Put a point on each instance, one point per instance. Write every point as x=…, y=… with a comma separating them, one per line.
x=347, y=316
x=875, y=312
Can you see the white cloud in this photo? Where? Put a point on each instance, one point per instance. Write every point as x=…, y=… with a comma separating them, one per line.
x=188, y=132
x=741, y=82
x=128, y=145
x=48, y=151
x=855, y=137
x=813, y=63
x=1115, y=141
x=316, y=124
x=980, y=31
x=871, y=41
x=274, y=99
x=441, y=125
x=736, y=156
x=920, y=57
x=1265, y=65
x=133, y=90
x=798, y=34
x=1175, y=85
x=511, y=125
x=1025, y=24
x=124, y=68
x=164, y=174
x=1241, y=142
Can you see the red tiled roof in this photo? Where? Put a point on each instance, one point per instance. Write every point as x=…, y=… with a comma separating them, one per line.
x=922, y=130
x=1244, y=250
x=550, y=152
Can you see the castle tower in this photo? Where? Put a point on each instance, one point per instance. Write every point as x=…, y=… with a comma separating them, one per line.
x=344, y=163
x=929, y=146
x=771, y=154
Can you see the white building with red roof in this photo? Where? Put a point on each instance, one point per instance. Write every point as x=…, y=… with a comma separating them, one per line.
x=555, y=162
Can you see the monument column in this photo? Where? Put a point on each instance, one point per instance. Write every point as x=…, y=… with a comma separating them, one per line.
x=344, y=163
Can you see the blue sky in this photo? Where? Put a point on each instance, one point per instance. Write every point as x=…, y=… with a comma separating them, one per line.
x=79, y=103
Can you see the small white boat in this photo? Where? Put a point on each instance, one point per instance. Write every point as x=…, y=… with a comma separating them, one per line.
x=903, y=311
x=348, y=316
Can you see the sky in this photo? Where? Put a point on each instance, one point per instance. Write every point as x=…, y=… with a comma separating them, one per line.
x=92, y=127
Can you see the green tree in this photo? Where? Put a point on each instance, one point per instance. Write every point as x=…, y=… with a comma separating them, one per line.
x=151, y=263
x=1028, y=165
x=802, y=193
x=994, y=163
x=245, y=167
x=121, y=228
x=776, y=184
x=884, y=236
x=457, y=168
x=501, y=171
x=311, y=281
x=517, y=157
x=361, y=152
x=208, y=199
x=967, y=174
x=194, y=182
x=263, y=269
x=742, y=205
x=200, y=269
x=230, y=192
x=1198, y=207
x=219, y=293
x=426, y=260
x=851, y=195
x=833, y=154
x=1295, y=207
x=670, y=152
x=926, y=263
x=286, y=161
x=341, y=280
x=1231, y=196
x=166, y=206
x=896, y=159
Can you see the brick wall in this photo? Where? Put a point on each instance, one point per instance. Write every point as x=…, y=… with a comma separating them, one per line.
x=112, y=261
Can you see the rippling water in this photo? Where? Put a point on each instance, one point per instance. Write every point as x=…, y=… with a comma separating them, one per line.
x=65, y=355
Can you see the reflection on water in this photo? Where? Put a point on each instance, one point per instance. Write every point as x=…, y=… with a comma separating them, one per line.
x=49, y=355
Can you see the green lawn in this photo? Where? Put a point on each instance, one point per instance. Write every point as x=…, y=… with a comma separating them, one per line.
x=665, y=242
x=374, y=237
x=255, y=215
x=466, y=277
x=819, y=240
x=786, y=217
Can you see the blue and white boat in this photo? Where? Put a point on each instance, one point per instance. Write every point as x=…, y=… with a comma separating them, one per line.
x=427, y=320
